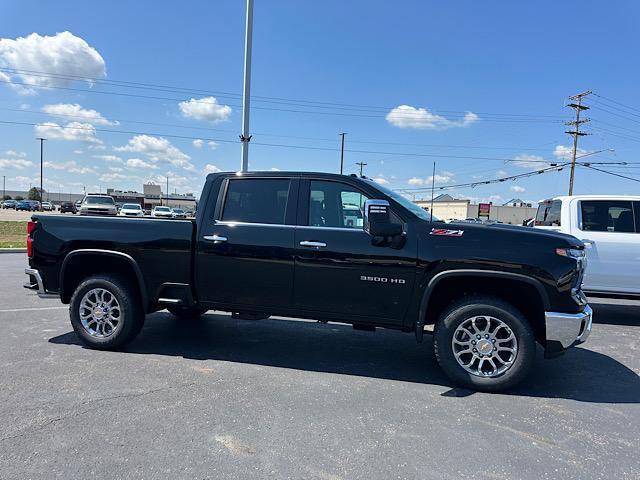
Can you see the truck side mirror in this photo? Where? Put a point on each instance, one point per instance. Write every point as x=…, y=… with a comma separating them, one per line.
x=378, y=219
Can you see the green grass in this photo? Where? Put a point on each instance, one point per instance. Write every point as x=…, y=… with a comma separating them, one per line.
x=13, y=234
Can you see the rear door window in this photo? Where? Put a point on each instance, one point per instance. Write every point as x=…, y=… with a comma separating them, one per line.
x=607, y=216
x=256, y=200
x=548, y=214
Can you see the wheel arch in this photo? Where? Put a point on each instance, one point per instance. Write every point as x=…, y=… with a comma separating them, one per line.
x=462, y=278
x=74, y=268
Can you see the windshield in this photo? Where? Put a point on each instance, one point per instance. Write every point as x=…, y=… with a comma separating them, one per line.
x=177, y=210
x=162, y=209
x=131, y=206
x=406, y=203
x=98, y=200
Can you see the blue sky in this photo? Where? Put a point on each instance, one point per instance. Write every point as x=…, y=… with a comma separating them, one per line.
x=467, y=84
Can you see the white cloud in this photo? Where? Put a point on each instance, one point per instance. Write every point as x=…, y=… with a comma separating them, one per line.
x=208, y=168
x=158, y=149
x=111, y=177
x=212, y=145
x=115, y=169
x=108, y=158
x=415, y=181
x=198, y=143
x=138, y=163
x=517, y=189
x=381, y=180
x=563, y=152
x=17, y=163
x=63, y=55
x=530, y=161
x=72, y=131
x=406, y=116
x=274, y=169
x=502, y=173
x=78, y=152
x=69, y=167
x=13, y=153
x=74, y=110
x=206, y=108
x=445, y=177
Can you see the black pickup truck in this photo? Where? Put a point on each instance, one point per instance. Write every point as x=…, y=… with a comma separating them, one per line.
x=327, y=247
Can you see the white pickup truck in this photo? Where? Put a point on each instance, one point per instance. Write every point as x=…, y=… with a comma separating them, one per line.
x=609, y=226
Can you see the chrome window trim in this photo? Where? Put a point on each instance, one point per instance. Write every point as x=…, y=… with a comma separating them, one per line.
x=282, y=225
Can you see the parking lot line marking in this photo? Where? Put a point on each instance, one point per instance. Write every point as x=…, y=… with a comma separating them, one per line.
x=9, y=310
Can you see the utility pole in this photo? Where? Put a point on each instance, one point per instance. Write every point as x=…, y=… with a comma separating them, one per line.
x=342, y=153
x=245, y=137
x=362, y=164
x=433, y=189
x=41, y=163
x=167, y=190
x=4, y=193
x=578, y=107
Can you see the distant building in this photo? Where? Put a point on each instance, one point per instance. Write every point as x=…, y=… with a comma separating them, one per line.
x=446, y=207
x=152, y=196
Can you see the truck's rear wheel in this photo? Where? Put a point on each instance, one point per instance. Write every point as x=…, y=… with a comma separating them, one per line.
x=191, y=312
x=106, y=312
x=485, y=344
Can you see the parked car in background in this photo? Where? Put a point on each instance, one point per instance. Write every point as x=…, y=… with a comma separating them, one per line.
x=78, y=204
x=161, y=212
x=179, y=213
x=9, y=204
x=98, y=205
x=28, y=205
x=48, y=207
x=609, y=226
x=68, y=207
x=131, y=210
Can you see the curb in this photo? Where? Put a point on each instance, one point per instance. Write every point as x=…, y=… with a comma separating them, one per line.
x=13, y=250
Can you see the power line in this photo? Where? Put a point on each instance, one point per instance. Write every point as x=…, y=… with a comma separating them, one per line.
x=237, y=96
x=612, y=173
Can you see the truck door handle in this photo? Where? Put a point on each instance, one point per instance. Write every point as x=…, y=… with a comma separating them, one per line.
x=588, y=243
x=309, y=243
x=215, y=238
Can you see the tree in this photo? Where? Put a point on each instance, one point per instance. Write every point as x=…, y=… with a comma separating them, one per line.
x=6, y=197
x=34, y=194
x=19, y=198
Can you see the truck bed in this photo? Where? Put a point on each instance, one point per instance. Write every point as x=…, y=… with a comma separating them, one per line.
x=161, y=248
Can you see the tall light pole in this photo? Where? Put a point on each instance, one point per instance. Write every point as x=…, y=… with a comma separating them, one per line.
x=342, y=153
x=4, y=193
x=245, y=137
x=41, y=163
x=167, y=190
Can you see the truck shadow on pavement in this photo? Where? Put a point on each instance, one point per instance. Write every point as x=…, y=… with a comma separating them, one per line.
x=580, y=374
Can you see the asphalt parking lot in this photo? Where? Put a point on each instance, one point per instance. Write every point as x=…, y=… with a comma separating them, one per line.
x=223, y=398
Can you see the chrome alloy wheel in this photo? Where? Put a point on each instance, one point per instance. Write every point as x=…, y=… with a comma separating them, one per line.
x=100, y=313
x=484, y=346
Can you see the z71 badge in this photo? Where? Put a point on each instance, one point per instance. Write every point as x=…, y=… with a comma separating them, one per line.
x=397, y=281
x=446, y=232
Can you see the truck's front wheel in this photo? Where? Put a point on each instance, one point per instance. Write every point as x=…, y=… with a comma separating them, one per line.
x=485, y=344
x=106, y=312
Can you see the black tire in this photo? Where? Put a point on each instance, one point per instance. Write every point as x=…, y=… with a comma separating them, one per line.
x=131, y=318
x=186, y=313
x=467, y=308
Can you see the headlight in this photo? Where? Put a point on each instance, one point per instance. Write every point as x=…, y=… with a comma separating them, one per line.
x=576, y=253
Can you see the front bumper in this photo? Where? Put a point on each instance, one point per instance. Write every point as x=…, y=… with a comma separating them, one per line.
x=35, y=283
x=565, y=330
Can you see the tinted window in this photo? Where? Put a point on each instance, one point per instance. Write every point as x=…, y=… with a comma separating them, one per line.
x=548, y=214
x=256, y=200
x=333, y=204
x=636, y=214
x=607, y=216
x=98, y=200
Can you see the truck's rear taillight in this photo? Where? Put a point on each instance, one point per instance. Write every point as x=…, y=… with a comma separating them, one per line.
x=31, y=226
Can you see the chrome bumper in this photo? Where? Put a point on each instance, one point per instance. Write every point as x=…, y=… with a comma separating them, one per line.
x=568, y=329
x=39, y=285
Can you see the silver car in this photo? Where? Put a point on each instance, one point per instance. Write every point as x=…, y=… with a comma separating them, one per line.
x=98, y=205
